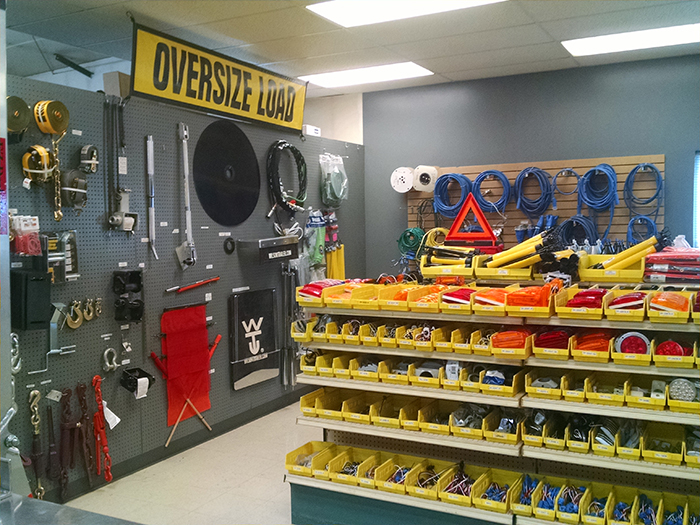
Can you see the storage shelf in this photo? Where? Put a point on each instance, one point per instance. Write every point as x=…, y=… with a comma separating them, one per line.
x=570, y=364
x=366, y=349
x=387, y=388
x=612, y=411
x=410, y=435
x=613, y=463
x=617, y=325
x=421, y=316
x=402, y=499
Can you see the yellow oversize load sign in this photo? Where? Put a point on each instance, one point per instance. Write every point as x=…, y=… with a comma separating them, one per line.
x=171, y=70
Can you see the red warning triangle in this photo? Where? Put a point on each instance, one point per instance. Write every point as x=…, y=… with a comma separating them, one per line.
x=486, y=234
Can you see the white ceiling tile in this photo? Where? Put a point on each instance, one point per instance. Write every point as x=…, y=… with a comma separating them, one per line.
x=363, y=58
x=642, y=54
x=513, y=69
x=472, y=42
x=283, y=23
x=245, y=53
x=14, y=38
x=546, y=10
x=671, y=14
x=315, y=91
x=482, y=18
x=307, y=46
x=116, y=48
x=26, y=59
x=184, y=13
x=20, y=12
x=200, y=36
x=498, y=57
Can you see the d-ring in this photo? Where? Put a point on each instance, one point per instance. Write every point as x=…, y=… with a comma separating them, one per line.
x=110, y=359
x=77, y=311
x=89, y=310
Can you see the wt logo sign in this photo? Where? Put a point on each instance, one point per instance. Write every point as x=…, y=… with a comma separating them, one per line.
x=252, y=331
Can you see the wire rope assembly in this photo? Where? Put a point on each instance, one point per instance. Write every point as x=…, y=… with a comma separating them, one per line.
x=441, y=199
x=533, y=208
x=280, y=199
x=500, y=205
x=599, y=197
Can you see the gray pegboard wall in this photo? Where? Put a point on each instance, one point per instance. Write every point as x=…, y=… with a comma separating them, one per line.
x=100, y=252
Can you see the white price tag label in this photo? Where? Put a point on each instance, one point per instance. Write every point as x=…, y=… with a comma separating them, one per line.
x=224, y=234
x=163, y=223
x=124, y=327
x=144, y=239
x=54, y=395
x=122, y=165
x=176, y=230
x=77, y=132
x=209, y=267
x=27, y=183
x=209, y=318
x=123, y=264
x=126, y=361
x=207, y=296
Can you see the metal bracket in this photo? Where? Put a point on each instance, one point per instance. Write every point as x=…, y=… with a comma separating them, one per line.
x=54, y=349
x=123, y=219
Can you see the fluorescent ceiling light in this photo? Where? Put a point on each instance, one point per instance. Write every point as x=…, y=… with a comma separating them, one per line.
x=367, y=75
x=646, y=39
x=353, y=13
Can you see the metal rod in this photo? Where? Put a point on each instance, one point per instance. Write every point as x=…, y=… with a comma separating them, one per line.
x=150, y=169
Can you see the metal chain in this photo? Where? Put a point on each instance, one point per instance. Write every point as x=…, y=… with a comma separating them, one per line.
x=57, y=213
x=15, y=360
x=34, y=397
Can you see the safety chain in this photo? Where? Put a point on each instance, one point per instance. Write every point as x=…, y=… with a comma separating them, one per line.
x=57, y=213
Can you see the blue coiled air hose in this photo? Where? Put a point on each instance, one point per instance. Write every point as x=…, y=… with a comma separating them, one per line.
x=599, y=198
x=567, y=230
x=566, y=172
x=441, y=198
x=533, y=208
x=633, y=237
x=500, y=204
x=634, y=203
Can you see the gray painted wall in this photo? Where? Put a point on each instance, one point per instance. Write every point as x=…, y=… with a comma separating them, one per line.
x=649, y=107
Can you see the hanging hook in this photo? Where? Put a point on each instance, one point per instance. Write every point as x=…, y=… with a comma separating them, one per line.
x=77, y=311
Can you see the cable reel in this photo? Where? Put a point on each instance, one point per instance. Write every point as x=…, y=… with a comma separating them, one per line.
x=19, y=115
x=38, y=165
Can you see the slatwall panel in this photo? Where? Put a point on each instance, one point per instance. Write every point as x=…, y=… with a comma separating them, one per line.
x=644, y=188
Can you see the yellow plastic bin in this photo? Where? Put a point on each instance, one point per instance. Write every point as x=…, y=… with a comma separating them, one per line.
x=491, y=432
x=591, y=356
x=442, y=339
x=550, y=441
x=455, y=308
x=428, y=413
x=387, y=373
x=357, y=409
x=628, y=495
x=306, y=335
x=348, y=337
x=415, y=305
x=308, y=364
x=633, y=359
x=559, y=354
x=351, y=455
x=573, y=386
x=513, y=353
x=340, y=297
x=298, y=461
x=567, y=312
x=515, y=274
x=582, y=447
x=368, y=336
x=671, y=502
x=384, y=339
x=478, y=343
x=363, y=375
x=597, y=491
x=674, y=434
x=449, y=497
x=334, y=332
x=408, y=414
x=530, y=440
x=502, y=477
x=307, y=402
x=543, y=392
x=531, y=311
x=324, y=364
x=657, y=499
x=407, y=343
x=320, y=463
x=675, y=361
x=656, y=316
x=518, y=385
x=472, y=383
x=570, y=517
x=472, y=433
x=441, y=468
x=341, y=366
x=425, y=380
x=545, y=513
x=386, y=411
x=602, y=449
x=461, y=341
x=330, y=404
x=454, y=384
x=652, y=402
x=384, y=473
x=368, y=468
x=365, y=297
x=624, y=314
x=614, y=393
x=387, y=295
x=632, y=274
x=490, y=310
x=631, y=453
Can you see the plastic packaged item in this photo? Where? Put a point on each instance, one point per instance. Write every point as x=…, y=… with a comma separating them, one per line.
x=459, y=296
x=598, y=341
x=315, y=288
x=510, y=338
x=591, y=298
x=334, y=180
x=633, y=343
x=552, y=339
x=490, y=297
x=669, y=302
x=671, y=347
x=630, y=301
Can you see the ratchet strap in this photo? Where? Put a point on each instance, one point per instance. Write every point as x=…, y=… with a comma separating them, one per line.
x=51, y=116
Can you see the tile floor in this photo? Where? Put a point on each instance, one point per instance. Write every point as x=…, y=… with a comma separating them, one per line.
x=234, y=479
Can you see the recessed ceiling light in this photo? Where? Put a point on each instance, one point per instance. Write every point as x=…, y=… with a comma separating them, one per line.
x=368, y=75
x=353, y=13
x=646, y=39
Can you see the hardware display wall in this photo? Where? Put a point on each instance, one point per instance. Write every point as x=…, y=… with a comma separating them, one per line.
x=143, y=422
x=632, y=108
x=644, y=188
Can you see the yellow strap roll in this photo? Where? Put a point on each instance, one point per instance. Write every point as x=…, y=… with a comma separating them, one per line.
x=51, y=116
x=628, y=261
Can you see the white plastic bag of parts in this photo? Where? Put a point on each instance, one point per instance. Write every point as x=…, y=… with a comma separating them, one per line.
x=334, y=180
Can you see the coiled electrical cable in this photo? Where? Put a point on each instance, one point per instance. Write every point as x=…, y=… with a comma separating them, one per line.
x=596, y=197
x=633, y=236
x=533, y=208
x=570, y=227
x=441, y=198
x=633, y=202
x=566, y=172
x=410, y=240
x=500, y=204
x=278, y=195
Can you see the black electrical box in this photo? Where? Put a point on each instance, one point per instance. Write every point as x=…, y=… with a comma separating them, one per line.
x=274, y=249
x=31, y=300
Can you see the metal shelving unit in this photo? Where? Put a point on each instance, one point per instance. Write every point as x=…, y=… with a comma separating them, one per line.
x=435, y=393
x=617, y=325
x=570, y=364
x=422, y=316
x=593, y=460
x=665, y=416
x=409, y=435
x=421, y=354
x=402, y=499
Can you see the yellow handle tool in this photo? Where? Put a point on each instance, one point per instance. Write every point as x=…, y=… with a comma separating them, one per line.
x=631, y=259
x=637, y=248
x=518, y=247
